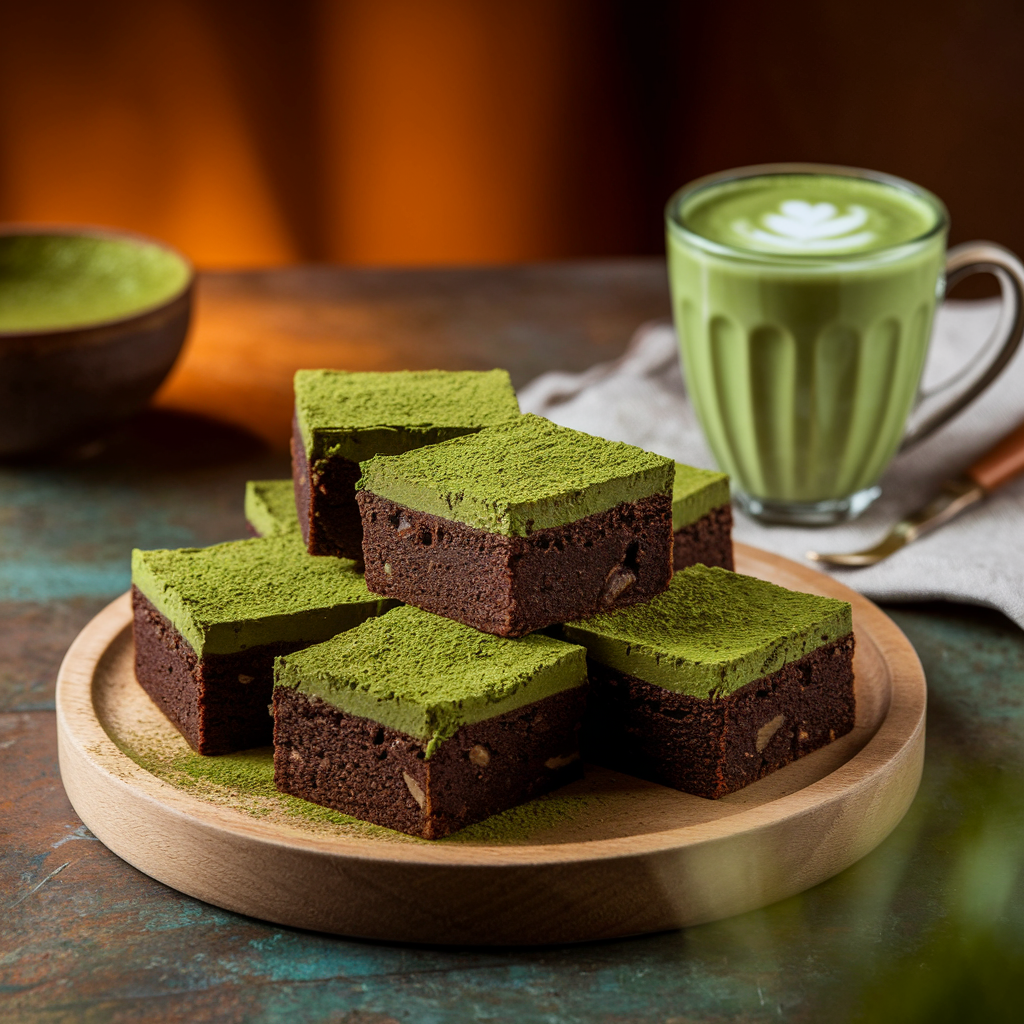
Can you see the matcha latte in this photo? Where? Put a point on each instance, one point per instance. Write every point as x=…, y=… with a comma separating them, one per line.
x=808, y=215
x=803, y=300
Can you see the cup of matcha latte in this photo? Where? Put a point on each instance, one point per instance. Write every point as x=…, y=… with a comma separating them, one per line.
x=803, y=298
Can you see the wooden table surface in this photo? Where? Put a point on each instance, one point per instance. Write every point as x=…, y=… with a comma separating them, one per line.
x=928, y=927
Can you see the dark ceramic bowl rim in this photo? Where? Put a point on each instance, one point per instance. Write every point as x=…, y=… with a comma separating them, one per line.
x=90, y=231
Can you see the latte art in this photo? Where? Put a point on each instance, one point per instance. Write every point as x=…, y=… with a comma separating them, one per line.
x=801, y=226
x=806, y=216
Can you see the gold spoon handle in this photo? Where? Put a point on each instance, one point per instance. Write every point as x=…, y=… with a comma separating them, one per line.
x=1001, y=463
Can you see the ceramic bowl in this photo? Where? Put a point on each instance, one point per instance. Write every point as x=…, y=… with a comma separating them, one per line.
x=91, y=321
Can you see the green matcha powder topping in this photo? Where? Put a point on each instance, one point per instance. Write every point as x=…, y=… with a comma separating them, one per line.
x=524, y=475
x=246, y=593
x=712, y=632
x=695, y=492
x=357, y=415
x=427, y=676
x=270, y=507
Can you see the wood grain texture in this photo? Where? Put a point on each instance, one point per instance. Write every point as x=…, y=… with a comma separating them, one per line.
x=645, y=859
x=254, y=329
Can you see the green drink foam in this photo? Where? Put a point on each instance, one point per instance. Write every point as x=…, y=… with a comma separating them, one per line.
x=52, y=282
x=808, y=214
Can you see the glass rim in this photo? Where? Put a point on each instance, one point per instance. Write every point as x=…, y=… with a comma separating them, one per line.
x=675, y=225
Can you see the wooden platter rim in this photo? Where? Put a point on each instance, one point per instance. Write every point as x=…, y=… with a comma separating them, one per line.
x=899, y=738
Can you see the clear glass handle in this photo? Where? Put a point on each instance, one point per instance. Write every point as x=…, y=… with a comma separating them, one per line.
x=963, y=261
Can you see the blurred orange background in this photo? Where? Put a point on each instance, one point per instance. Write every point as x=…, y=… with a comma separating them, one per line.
x=410, y=132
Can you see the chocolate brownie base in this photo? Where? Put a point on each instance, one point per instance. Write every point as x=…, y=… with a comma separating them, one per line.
x=511, y=586
x=362, y=768
x=707, y=541
x=325, y=498
x=219, y=703
x=713, y=747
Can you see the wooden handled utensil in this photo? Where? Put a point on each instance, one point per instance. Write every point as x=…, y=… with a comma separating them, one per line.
x=999, y=465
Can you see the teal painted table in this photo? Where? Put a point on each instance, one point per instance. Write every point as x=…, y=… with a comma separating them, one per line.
x=929, y=927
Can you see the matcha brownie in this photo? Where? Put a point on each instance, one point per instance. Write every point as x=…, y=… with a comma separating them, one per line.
x=518, y=526
x=424, y=725
x=270, y=507
x=210, y=621
x=342, y=418
x=717, y=682
x=701, y=518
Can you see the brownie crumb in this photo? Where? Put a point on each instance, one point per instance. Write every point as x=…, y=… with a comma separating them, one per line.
x=711, y=747
x=511, y=586
x=360, y=767
x=707, y=541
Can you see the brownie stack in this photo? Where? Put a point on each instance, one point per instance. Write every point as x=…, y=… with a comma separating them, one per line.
x=488, y=526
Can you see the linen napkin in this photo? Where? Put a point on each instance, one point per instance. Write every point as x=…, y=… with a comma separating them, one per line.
x=977, y=558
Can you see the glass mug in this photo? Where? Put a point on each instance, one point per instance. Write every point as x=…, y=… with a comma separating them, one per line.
x=803, y=297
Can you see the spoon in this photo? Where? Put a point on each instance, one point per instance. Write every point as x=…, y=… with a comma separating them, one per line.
x=997, y=466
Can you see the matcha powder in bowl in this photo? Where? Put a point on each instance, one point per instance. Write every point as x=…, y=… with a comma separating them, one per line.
x=91, y=322
x=53, y=281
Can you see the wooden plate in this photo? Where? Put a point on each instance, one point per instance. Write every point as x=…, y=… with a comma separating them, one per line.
x=607, y=856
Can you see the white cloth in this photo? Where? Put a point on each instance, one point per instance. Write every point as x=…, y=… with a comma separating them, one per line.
x=977, y=558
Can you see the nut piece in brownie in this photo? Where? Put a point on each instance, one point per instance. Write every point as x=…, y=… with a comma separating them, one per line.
x=270, y=508
x=210, y=621
x=518, y=526
x=717, y=682
x=343, y=418
x=424, y=725
x=701, y=518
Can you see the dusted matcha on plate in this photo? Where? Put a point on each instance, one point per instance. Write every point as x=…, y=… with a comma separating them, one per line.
x=208, y=623
x=342, y=418
x=717, y=682
x=424, y=725
x=518, y=526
